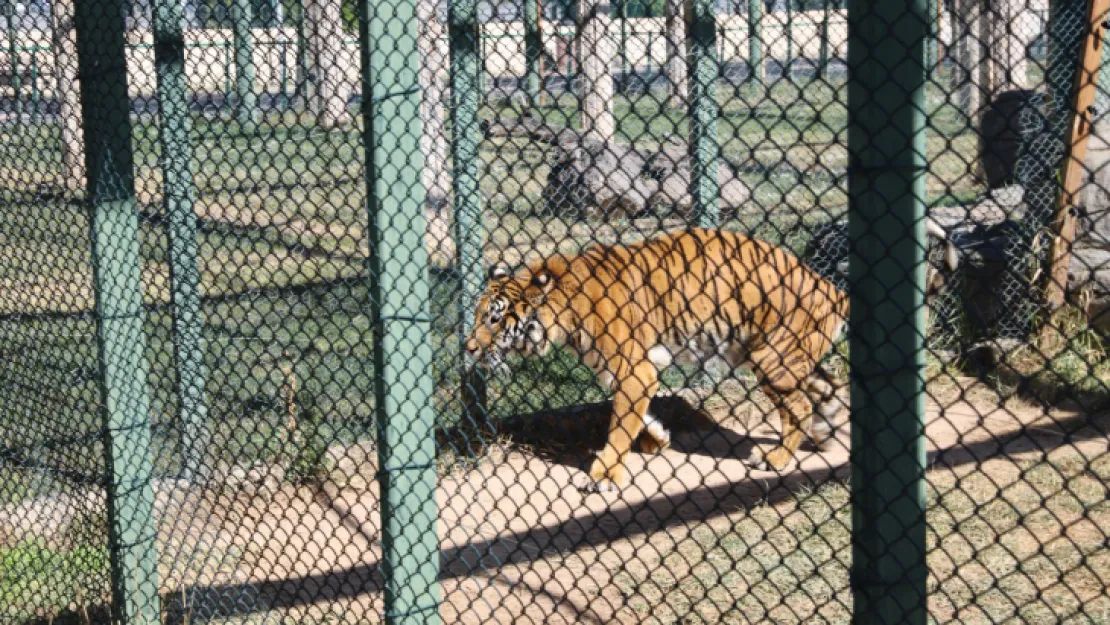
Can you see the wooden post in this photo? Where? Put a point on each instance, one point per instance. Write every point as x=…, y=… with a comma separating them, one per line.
x=1079, y=131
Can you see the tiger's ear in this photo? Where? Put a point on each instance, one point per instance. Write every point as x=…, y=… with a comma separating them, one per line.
x=542, y=280
x=498, y=271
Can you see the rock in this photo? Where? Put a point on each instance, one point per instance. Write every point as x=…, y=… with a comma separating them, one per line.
x=618, y=180
x=996, y=206
x=600, y=181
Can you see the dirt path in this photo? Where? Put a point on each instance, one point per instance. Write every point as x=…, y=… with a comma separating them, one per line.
x=518, y=539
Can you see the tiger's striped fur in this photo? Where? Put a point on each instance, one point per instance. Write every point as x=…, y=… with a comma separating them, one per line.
x=685, y=297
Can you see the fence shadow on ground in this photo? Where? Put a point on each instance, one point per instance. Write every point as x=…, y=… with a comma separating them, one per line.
x=567, y=436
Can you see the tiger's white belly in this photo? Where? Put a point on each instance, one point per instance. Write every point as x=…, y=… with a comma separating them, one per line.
x=707, y=350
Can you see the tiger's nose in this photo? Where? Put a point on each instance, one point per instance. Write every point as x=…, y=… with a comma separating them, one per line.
x=473, y=347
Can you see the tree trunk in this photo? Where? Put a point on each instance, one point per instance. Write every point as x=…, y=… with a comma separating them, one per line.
x=323, y=40
x=984, y=37
x=68, y=94
x=677, y=85
x=1014, y=28
x=433, y=141
x=966, y=34
x=596, y=62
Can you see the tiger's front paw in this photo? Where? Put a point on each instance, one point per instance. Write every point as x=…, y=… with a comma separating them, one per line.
x=766, y=459
x=602, y=478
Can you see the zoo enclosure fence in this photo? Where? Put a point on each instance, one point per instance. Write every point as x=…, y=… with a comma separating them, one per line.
x=234, y=387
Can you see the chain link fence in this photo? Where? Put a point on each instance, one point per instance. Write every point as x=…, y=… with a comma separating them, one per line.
x=317, y=311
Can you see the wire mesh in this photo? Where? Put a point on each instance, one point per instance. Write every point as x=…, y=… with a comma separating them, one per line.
x=223, y=353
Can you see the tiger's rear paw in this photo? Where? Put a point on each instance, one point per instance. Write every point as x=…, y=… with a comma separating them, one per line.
x=821, y=434
x=768, y=459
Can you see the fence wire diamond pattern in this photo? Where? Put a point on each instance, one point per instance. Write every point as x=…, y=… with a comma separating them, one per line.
x=415, y=311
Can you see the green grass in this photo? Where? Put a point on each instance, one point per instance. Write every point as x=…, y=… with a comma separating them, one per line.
x=37, y=580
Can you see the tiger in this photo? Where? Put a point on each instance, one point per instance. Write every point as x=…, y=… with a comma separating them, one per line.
x=692, y=296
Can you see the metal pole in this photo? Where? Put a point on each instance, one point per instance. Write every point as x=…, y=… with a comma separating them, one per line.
x=533, y=48
x=403, y=384
x=886, y=182
x=121, y=339
x=755, y=40
x=701, y=24
x=463, y=33
x=246, y=105
x=179, y=193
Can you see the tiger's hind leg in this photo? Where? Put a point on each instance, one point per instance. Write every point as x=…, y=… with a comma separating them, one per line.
x=785, y=369
x=796, y=411
x=827, y=407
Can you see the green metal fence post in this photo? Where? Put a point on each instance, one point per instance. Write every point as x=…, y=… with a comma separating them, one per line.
x=755, y=40
x=179, y=194
x=886, y=143
x=246, y=104
x=466, y=94
x=403, y=384
x=701, y=25
x=533, y=48
x=121, y=339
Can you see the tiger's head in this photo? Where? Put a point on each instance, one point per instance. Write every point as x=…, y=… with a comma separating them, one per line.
x=509, y=319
